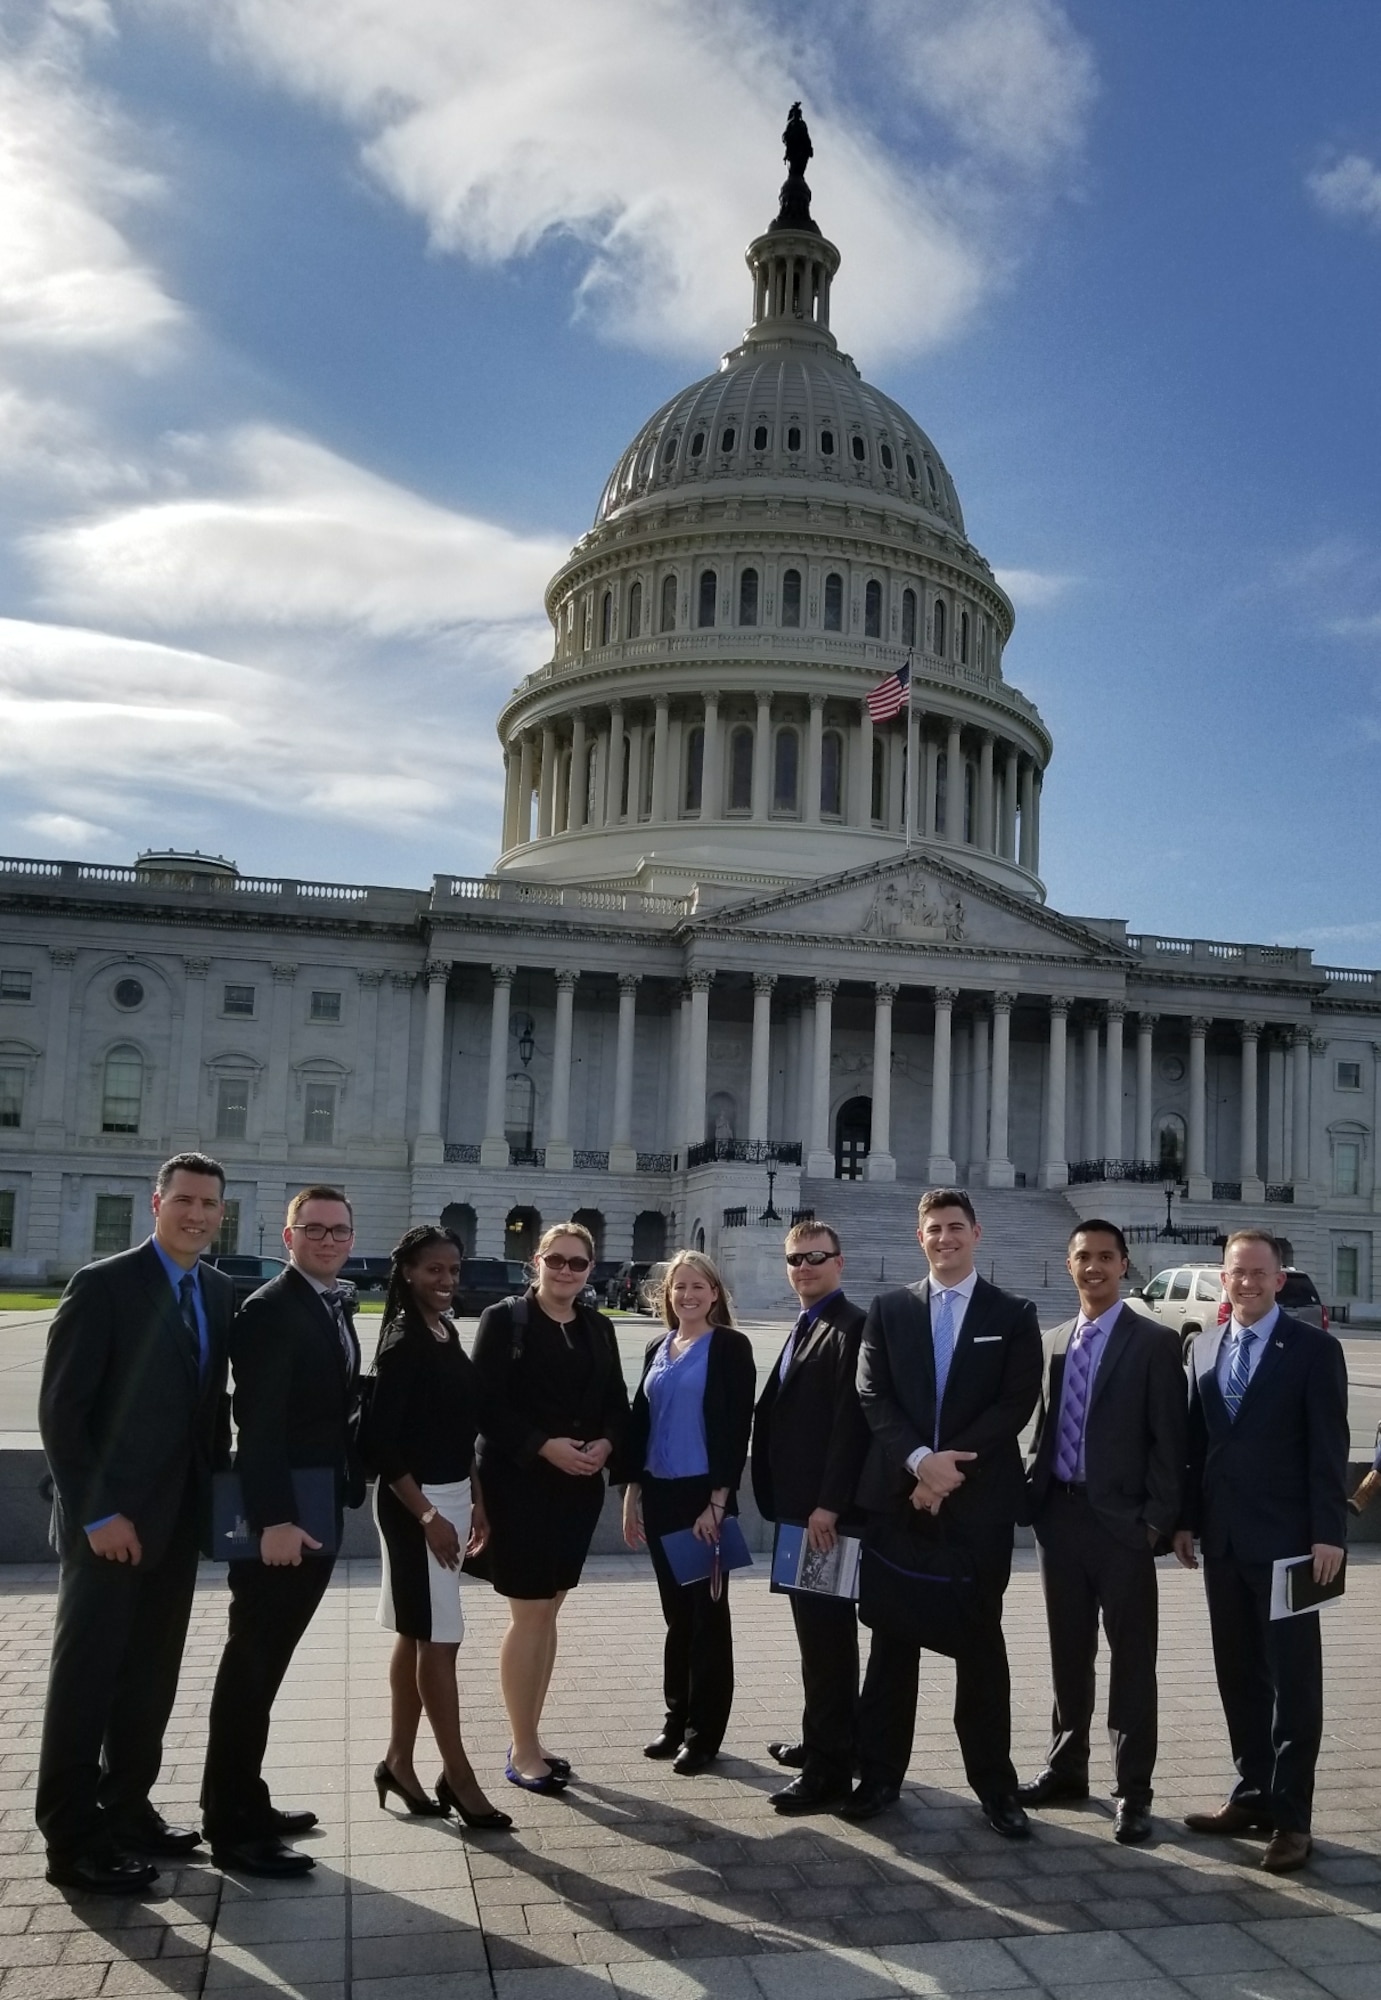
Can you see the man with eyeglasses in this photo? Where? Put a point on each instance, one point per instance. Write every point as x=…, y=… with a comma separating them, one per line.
x=810, y=1439
x=296, y=1363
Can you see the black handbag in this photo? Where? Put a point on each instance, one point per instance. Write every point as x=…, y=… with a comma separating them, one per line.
x=915, y=1584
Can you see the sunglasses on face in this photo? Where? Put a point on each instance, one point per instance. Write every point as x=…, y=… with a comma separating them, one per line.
x=798, y=1257
x=557, y=1262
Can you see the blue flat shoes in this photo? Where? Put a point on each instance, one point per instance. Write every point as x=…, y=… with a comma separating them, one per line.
x=549, y=1787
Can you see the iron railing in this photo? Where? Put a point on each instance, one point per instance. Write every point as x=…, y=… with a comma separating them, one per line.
x=1145, y=1172
x=747, y=1152
x=587, y=1160
x=744, y=1217
x=1280, y=1191
x=1227, y=1190
x=656, y=1163
x=462, y=1156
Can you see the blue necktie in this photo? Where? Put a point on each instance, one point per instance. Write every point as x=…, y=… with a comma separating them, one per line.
x=1240, y=1374
x=1074, y=1404
x=187, y=1306
x=942, y=1333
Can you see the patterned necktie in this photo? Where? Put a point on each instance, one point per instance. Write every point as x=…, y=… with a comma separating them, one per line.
x=789, y=1351
x=187, y=1306
x=334, y=1302
x=1240, y=1374
x=1074, y=1404
x=942, y=1334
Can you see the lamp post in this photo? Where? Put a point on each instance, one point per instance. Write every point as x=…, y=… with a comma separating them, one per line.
x=1168, y=1231
x=770, y=1214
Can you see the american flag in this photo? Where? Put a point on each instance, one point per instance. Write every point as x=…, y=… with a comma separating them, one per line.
x=890, y=697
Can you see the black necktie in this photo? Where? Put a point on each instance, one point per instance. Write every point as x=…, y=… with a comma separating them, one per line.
x=334, y=1302
x=798, y=1333
x=187, y=1306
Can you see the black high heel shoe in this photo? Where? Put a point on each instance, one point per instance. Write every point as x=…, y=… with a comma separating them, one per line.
x=492, y=1821
x=417, y=1803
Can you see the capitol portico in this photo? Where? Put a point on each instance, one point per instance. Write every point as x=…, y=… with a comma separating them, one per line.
x=735, y=925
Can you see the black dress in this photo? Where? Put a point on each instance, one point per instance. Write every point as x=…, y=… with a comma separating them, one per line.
x=562, y=1382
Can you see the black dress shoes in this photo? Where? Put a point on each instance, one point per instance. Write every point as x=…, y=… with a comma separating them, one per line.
x=690, y=1761
x=1131, y=1824
x=1006, y=1817
x=1048, y=1788
x=102, y=1872
x=809, y=1795
x=266, y=1856
x=287, y=1825
x=665, y=1745
x=153, y=1835
x=792, y=1755
x=869, y=1799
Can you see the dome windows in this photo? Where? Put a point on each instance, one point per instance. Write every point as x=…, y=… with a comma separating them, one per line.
x=761, y=434
x=885, y=453
x=668, y=620
x=695, y=769
x=964, y=638
x=786, y=771
x=834, y=602
x=938, y=629
x=832, y=775
x=709, y=591
x=741, y=769
x=858, y=448
x=645, y=463
x=727, y=438
x=791, y=598
x=872, y=610
x=931, y=481
x=793, y=437
x=697, y=445
x=606, y=617
x=748, y=597
x=669, y=450
x=908, y=618
x=827, y=444
x=635, y=610
x=910, y=466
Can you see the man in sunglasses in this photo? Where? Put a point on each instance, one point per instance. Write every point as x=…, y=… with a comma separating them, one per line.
x=810, y=1439
x=297, y=1368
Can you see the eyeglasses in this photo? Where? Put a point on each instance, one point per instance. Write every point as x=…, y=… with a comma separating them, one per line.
x=798, y=1257
x=326, y=1232
x=556, y=1262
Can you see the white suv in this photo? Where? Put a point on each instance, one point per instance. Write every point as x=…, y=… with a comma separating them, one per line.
x=1189, y=1297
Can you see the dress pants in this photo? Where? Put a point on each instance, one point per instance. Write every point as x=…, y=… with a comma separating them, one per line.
x=117, y=1649
x=1085, y=1569
x=1270, y=1679
x=698, y=1657
x=983, y=1685
x=270, y=1609
x=827, y=1634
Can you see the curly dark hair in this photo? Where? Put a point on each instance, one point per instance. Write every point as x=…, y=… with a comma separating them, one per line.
x=399, y=1307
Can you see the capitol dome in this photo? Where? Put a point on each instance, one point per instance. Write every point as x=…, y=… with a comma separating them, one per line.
x=775, y=542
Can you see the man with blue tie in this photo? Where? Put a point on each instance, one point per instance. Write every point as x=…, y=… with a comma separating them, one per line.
x=1268, y=1449
x=1107, y=1475
x=948, y=1374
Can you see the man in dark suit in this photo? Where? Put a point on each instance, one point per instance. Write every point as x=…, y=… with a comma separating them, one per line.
x=1268, y=1449
x=297, y=1366
x=948, y=1375
x=132, y=1415
x=1107, y=1476
x=810, y=1439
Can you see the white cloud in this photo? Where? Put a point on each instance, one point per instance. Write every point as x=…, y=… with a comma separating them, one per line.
x=1350, y=189
x=66, y=832
x=648, y=132
x=299, y=538
x=1033, y=589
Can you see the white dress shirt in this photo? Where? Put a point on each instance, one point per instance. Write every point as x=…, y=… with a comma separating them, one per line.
x=959, y=1296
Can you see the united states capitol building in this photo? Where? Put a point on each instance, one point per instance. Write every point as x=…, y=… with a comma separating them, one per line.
x=741, y=948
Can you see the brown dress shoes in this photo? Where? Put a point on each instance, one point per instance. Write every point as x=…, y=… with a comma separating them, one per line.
x=1287, y=1850
x=1229, y=1820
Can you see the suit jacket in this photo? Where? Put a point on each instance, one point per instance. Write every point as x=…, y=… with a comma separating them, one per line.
x=730, y=1379
x=810, y=1436
x=295, y=1396
x=1274, y=1482
x=125, y=1417
x=544, y=1392
x=994, y=1380
x=1135, y=1431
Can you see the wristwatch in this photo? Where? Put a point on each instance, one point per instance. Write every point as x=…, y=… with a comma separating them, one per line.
x=426, y=1519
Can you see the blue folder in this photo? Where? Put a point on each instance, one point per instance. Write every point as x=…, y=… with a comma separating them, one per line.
x=232, y=1538
x=690, y=1558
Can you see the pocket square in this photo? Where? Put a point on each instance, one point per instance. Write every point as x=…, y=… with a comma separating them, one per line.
x=986, y=1339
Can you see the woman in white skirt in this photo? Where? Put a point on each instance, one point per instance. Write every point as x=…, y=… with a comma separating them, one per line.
x=423, y=1422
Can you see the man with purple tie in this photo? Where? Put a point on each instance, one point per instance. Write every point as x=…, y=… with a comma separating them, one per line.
x=1107, y=1471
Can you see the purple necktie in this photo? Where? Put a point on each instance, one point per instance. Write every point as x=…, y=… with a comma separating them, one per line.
x=1074, y=1404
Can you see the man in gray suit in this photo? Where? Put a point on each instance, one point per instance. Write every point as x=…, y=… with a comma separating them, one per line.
x=1106, y=1477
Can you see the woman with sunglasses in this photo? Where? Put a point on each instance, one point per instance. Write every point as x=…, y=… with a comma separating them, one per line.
x=556, y=1407
x=684, y=1456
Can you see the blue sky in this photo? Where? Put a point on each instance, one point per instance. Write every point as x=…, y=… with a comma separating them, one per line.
x=323, y=321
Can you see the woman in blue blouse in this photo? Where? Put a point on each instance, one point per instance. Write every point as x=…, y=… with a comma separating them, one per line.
x=686, y=1445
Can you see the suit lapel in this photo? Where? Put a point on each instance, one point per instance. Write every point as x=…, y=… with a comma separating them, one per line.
x=1114, y=1347
x=163, y=1300
x=814, y=1334
x=1269, y=1361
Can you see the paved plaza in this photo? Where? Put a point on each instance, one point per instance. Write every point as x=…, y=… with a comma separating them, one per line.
x=638, y=1882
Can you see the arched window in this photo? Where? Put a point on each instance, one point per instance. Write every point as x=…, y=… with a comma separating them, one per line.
x=695, y=768
x=786, y=772
x=908, y=618
x=760, y=437
x=964, y=637
x=885, y=453
x=832, y=774
x=122, y=1090
x=709, y=591
x=669, y=451
x=649, y=1236
x=872, y=610
x=793, y=437
x=741, y=769
x=697, y=444
x=592, y=1220
x=726, y=442
x=459, y=1218
x=875, y=803
x=938, y=626
x=910, y=466
x=858, y=448
x=827, y=444
x=668, y=603
x=635, y=610
x=522, y=1232
x=606, y=617
x=748, y=597
x=834, y=602
x=791, y=597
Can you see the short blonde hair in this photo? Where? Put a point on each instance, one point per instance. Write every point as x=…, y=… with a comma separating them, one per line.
x=721, y=1312
x=560, y=1229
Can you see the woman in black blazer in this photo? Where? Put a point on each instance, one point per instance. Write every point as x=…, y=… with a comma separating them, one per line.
x=556, y=1406
x=684, y=1456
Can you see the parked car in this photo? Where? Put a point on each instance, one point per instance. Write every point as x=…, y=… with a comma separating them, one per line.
x=624, y=1291
x=247, y=1274
x=367, y=1274
x=1190, y=1297
x=486, y=1280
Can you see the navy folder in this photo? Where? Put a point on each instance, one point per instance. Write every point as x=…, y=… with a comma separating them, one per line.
x=690, y=1558
x=232, y=1538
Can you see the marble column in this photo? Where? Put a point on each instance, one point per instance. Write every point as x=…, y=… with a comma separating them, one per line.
x=954, y=785
x=1009, y=803
x=711, y=786
x=1028, y=814
x=861, y=803
x=1253, y=1186
x=578, y=787
x=367, y=1044
x=428, y=1148
x=983, y=833
x=524, y=791
x=978, y=1100
x=762, y=758
x=661, y=774
x=940, y=1164
x=637, y=750
x=760, y=1069
x=623, y=1157
x=546, y=784
x=1299, y=1079
x=1037, y=786
x=613, y=766
x=1275, y=1110
x=560, y=1154
x=1054, y=1171
x=698, y=1057
x=1089, y=1134
x=510, y=797
x=494, y=1145
x=961, y=1096
x=820, y=1159
x=815, y=740
x=1145, y=1036
x=880, y=1164
x=1200, y=1186
x=1112, y=1083
x=187, y=1131
x=1001, y=1173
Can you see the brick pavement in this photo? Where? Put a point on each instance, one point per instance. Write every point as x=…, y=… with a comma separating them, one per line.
x=642, y=1883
